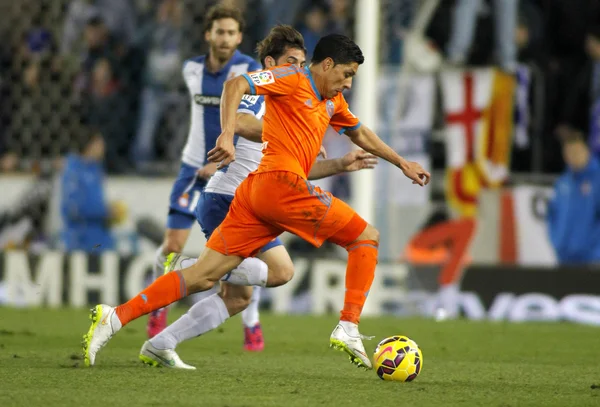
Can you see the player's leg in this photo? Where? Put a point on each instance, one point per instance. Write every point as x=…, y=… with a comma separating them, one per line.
x=360, y=272
x=184, y=197
x=202, y=317
x=167, y=289
x=212, y=311
x=240, y=235
x=317, y=216
x=173, y=242
x=281, y=270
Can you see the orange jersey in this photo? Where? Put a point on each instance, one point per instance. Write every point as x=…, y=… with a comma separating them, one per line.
x=296, y=118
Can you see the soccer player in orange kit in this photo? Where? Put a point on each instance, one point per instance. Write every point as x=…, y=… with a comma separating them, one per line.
x=300, y=105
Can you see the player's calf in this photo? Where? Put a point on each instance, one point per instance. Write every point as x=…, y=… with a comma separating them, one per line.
x=236, y=298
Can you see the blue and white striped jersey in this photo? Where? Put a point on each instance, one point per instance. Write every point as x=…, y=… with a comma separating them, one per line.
x=247, y=153
x=205, y=90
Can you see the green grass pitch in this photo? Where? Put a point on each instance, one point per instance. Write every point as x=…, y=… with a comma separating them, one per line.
x=465, y=364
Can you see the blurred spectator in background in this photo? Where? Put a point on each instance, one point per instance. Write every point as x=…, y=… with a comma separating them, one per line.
x=529, y=34
x=161, y=39
x=281, y=12
x=464, y=21
x=108, y=110
x=314, y=25
x=41, y=109
x=106, y=91
x=574, y=211
x=581, y=108
x=341, y=19
x=87, y=218
x=119, y=16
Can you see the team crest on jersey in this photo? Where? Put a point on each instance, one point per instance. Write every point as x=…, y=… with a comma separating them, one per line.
x=184, y=200
x=330, y=108
x=262, y=78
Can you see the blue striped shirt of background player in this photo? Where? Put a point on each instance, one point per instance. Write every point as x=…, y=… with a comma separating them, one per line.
x=205, y=90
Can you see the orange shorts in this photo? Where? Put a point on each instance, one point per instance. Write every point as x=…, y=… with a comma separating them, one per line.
x=269, y=203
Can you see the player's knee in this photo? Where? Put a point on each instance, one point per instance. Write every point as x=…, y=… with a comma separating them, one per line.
x=280, y=275
x=196, y=281
x=370, y=233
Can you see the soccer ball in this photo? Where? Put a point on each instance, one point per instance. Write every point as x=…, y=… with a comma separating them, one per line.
x=398, y=358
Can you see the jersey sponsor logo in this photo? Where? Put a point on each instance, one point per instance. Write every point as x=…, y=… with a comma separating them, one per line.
x=207, y=100
x=250, y=99
x=330, y=108
x=262, y=78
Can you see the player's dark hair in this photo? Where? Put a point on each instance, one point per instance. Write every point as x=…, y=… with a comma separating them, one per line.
x=221, y=11
x=339, y=48
x=280, y=38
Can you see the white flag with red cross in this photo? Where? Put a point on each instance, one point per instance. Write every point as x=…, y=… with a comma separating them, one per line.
x=479, y=123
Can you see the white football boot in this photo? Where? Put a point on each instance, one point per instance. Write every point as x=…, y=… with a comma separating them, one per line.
x=162, y=357
x=105, y=324
x=345, y=337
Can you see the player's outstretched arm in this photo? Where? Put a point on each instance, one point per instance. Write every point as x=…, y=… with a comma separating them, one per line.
x=249, y=127
x=353, y=161
x=366, y=139
x=233, y=91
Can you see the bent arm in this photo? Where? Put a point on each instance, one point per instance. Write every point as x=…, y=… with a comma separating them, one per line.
x=366, y=139
x=233, y=91
x=326, y=168
x=248, y=127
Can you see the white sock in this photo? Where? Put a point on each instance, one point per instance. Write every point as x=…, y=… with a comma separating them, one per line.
x=159, y=264
x=251, y=271
x=204, y=316
x=250, y=314
x=350, y=327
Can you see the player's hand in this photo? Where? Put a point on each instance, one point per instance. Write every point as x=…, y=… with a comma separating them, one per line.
x=323, y=153
x=416, y=173
x=358, y=160
x=224, y=151
x=207, y=171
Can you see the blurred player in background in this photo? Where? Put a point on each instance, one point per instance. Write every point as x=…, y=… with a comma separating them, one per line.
x=204, y=77
x=283, y=45
x=300, y=105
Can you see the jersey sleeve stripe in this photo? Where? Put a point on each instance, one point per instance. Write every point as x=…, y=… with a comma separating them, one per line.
x=344, y=129
x=284, y=69
x=246, y=111
x=284, y=75
x=252, y=87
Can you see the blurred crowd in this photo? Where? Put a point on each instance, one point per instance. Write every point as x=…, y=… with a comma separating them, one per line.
x=114, y=66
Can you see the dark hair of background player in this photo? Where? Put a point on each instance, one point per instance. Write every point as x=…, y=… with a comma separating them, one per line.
x=221, y=11
x=280, y=38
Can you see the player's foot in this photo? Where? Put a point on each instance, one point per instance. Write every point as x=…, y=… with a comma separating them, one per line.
x=175, y=261
x=162, y=357
x=157, y=321
x=105, y=324
x=253, y=338
x=345, y=337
